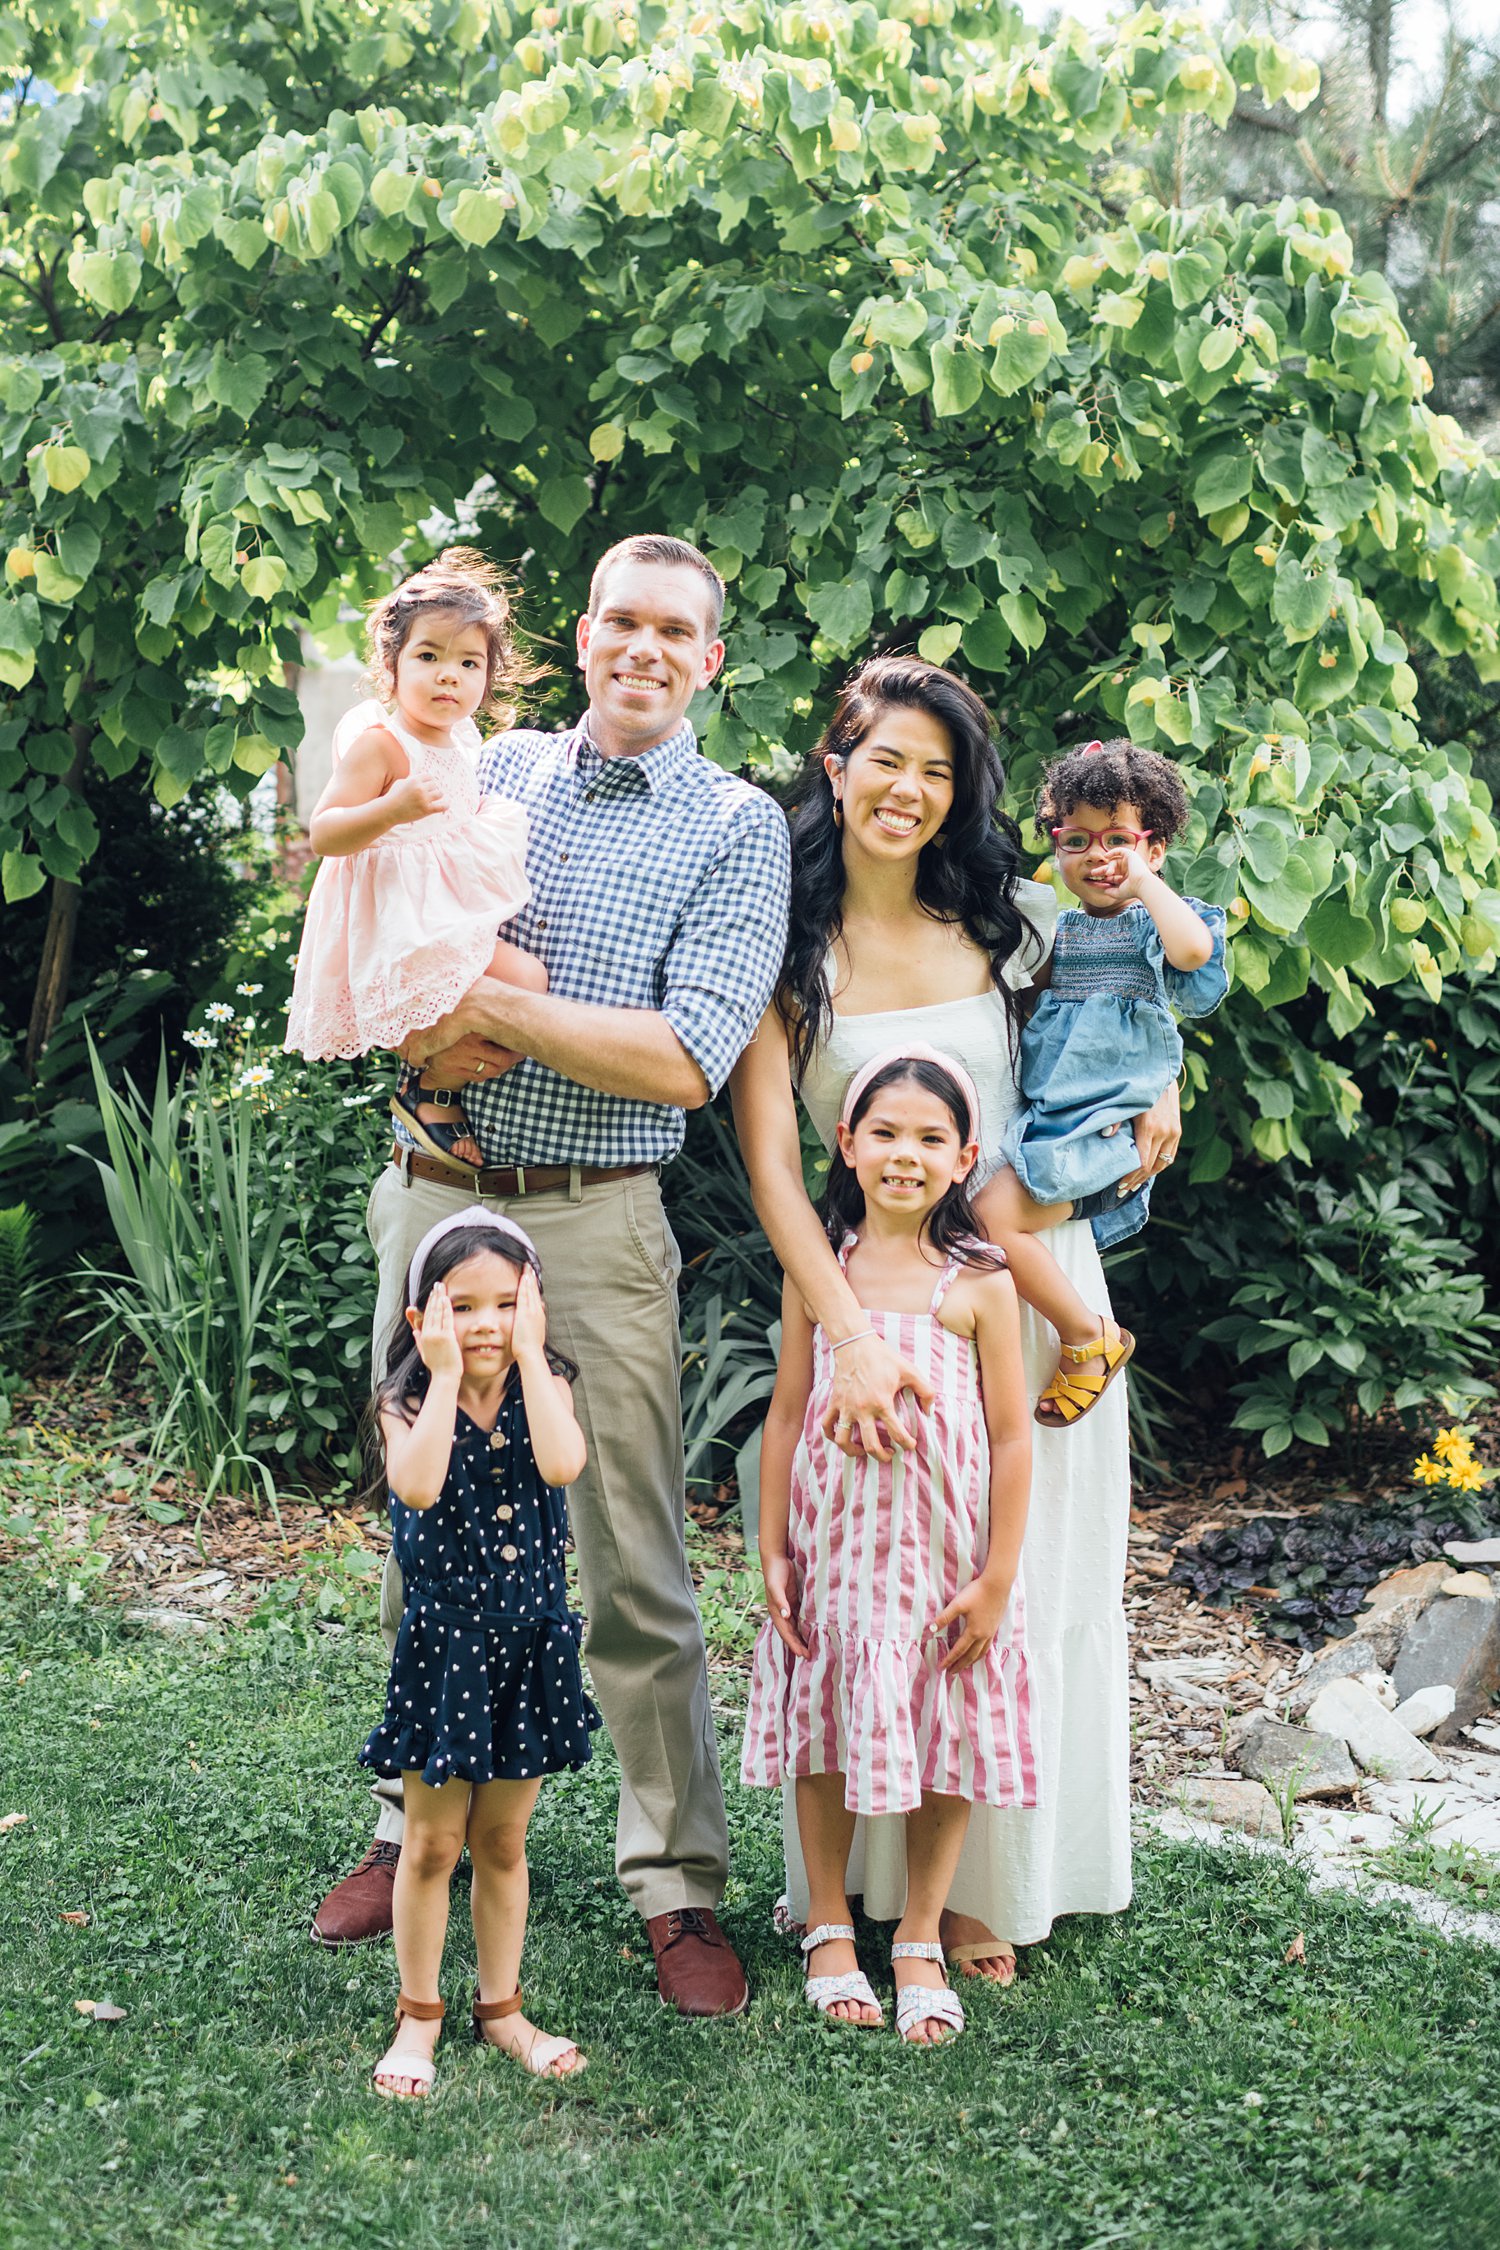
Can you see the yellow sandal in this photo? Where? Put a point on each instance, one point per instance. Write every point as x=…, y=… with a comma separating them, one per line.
x=1073, y=1396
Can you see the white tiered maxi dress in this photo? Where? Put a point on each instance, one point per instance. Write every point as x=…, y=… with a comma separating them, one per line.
x=1071, y=1855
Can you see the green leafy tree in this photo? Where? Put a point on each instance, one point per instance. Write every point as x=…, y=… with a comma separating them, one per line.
x=1404, y=138
x=862, y=298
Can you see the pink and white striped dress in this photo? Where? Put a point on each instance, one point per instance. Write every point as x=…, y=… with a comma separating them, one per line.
x=880, y=1547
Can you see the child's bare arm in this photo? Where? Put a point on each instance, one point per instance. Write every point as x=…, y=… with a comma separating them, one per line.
x=367, y=794
x=778, y=1446
x=557, y=1442
x=417, y=1453
x=981, y=1605
x=1186, y=938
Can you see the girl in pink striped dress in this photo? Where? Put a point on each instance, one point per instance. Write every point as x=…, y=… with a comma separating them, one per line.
x=891, y=1676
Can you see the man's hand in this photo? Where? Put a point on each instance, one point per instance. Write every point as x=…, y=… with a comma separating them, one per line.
x=1158, y=1134
x=868, y=1381
x=467, y=1060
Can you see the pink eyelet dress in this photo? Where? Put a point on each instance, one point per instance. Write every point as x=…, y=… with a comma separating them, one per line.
x=396, y=934
x=879, y=1548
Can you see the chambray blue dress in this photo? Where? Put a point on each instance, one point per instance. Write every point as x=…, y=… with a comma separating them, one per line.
x=1101, y=1045
x=485, y=1682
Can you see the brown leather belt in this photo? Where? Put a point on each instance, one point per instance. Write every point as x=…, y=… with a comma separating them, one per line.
x=510, y=1179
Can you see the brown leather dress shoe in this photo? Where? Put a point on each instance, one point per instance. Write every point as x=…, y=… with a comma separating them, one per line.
x=697, y=1972
x=358, y=1910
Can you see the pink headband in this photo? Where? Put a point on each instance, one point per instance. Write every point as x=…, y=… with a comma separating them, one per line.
x=475, y=1216
x=914, y=1050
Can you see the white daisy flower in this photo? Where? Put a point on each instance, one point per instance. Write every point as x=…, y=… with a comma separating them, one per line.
x=219, y=1011
x=202, y=1040
x=260, y=1076
x=249, y=990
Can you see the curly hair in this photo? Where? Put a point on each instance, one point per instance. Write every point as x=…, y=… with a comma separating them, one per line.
x=1105, y=774
x=464, y=585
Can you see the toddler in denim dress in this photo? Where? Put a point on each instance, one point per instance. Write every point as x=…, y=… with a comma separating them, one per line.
x=1102, y=1044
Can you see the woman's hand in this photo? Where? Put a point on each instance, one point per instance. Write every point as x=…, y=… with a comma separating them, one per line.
x=781, y=1600
x=980, y=1607
x=868, y=1380
x=437, y=1344
x=1158, y=1134
x=528, y=1335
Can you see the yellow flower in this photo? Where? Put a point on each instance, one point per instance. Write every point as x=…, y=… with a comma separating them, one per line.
x=1428, y=1471
x=1466, y=1476
x=1453, y=1445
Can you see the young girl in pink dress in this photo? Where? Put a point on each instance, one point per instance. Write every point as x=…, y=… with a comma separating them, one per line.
x=891, y=1677
x=419, y=869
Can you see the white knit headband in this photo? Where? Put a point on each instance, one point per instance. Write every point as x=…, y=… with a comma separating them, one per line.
x=475, y=1216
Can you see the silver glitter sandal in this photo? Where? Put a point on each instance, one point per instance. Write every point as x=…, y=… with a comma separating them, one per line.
x=825, y=1993
x=925, y=2003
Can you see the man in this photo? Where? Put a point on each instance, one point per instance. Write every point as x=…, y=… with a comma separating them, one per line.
x=659, y=901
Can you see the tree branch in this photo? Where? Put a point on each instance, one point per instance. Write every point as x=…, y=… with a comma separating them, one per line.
x=403, y=290
x=1263, y=123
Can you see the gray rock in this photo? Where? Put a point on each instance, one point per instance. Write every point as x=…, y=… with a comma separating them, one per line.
x=1454, y=1644
x=155, y=1620
x=1382, y=1747
x=1316, y=1765
x=1341, y=1660
x=1473, y=1550
x=1427, y=1709
x=1393, y=1607
x=1233, y=1804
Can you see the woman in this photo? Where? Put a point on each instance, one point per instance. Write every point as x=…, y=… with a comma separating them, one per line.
x=908, y=919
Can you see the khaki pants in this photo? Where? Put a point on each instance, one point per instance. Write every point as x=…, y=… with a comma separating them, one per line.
x=609, y=1268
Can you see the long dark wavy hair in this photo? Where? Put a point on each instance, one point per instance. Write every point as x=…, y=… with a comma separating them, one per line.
x=967, y=874
x=951, y=1228
x=404, y=1385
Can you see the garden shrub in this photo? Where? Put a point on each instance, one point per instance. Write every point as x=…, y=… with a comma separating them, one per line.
x=238, y=1198
x=871, y=303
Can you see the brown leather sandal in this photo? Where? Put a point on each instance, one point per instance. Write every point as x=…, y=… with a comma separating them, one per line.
x=1073, y=1396
x=420, y=2072
x=539, y=2065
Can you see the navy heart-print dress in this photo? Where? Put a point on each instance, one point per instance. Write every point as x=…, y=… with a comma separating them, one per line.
x=485, y=1681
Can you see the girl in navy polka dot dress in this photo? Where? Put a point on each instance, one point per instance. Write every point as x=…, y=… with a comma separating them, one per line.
x=485, y=1693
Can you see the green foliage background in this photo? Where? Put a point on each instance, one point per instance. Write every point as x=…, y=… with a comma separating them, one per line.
x=871, y=302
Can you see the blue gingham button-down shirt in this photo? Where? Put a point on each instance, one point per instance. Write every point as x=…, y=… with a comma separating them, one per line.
x=658, y=882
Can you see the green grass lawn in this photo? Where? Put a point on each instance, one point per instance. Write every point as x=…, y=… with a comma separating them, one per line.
x=1163, y=2078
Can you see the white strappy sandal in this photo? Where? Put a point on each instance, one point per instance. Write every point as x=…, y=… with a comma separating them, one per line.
x=925, y=2003
x=825, y=1993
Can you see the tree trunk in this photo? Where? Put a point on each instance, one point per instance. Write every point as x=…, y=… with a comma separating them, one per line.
x=1378, y=52
x=51, y=994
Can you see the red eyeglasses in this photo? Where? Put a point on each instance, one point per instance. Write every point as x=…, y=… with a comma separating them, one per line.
x=1072, y=840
